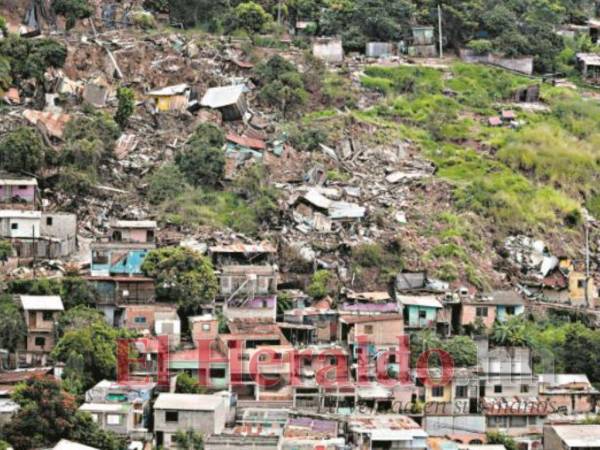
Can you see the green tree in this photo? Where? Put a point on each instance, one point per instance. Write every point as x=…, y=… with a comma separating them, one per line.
x=511, y=333
x=72, y=10
x=3, y=25
x=188, y=440
x=30, y=58
x=462, y=349
x=49, y=414
x=12, y=325
x=6, y=250
x=251, y=17
x=97, y=342
x=126, y=105
x=202, y=160
x=182, y=276
x=496, y=437
x=320, y=285
x=186, y=384
x=96, y=127
x=165, y=184
x=76, y=291
x=22, y=150
x=78, y=317
x=281, y=84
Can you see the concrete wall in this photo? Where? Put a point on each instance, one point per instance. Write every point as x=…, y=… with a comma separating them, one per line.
x=380, y=332
x=26, y=227
x=48, y=342
x=522, y=65
x=468, y=314
x=551, y=440
x=206, y=422
x=328, y=49
x=415, y=321
x=61, y=226
x=443, y=425
x=573, y=403
x=126, y=422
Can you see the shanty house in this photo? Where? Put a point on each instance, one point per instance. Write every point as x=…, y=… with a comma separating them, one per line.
x=141, y=231
x=508, y=303
x=328, y=49
x=41, y=315
x=589, y=64
x=172, y=98
x=121, y=408
x=420, y=311
x=571, y=393
x=386, y=431
x=173, y=412
x=571, y=437
x=17, y=224
x=18, y=191
x=229, y=100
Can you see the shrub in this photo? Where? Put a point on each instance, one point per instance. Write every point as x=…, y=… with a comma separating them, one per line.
x=94, y=127
x=125, y=107
x=202, y=160
x=22, y=150
x=160, y=6
x=480, y=46
x=282, y=84
x=5, y=250
x=30, y=58
x=251, y=17
x=143, y=19
x=319, y=286
x=165, y=184
x=72, y=10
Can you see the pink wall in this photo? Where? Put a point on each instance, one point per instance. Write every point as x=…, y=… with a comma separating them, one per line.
x=469, y=315
x=26, y=192
x=137, y=235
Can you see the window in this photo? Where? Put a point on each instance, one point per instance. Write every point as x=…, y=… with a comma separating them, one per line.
x=498, y=389
x=333, y=361
x=422, y=314
x=40, y=341
x=368, y=329
x=497, y=421
x=437, y=391
x=510, y=310
x=14, y=226
x=49, y=221
x=580, y=284
x=22, y=188
x=524, y=388
x=217, y=373
x=139, y=319
x=481, y=311
x=48, y=316
x=206, y=327
x=518, y=421
x=113, y=419
x=462, y=391
x=171, y=416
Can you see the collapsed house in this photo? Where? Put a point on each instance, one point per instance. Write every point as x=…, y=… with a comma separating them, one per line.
x=230, y=101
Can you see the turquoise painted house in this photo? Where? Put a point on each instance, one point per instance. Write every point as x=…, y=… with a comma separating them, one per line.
x=508, y=303
x=420, y=311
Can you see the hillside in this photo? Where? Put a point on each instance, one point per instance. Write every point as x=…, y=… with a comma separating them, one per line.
x=409, y=140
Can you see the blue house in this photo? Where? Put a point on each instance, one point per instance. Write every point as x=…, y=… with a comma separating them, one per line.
x=508, y=303
x=420, y=311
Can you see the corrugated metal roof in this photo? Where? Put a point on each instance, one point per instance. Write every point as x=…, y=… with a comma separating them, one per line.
x=222, y=96
x=427, y=301
x=41, y=302
x=188, y=402
x=18, y=182
x=65, y=444
x=19, y=214
x=54, y=123
x=134, y=224
x=247, y=141
x=168, y=91
x=263, y=247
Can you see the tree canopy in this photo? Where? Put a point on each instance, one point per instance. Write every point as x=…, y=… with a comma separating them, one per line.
x=182, y=276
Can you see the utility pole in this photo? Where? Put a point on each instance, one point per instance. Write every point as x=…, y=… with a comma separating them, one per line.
x=34, y=250
x=279, y=13
x=587, y=260
x=440, y=30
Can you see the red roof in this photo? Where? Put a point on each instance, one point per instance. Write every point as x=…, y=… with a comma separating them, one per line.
x=495, y=121
x=247, y=141
x=17, y=376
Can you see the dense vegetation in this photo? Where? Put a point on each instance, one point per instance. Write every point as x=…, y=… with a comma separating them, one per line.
x=513, y=28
